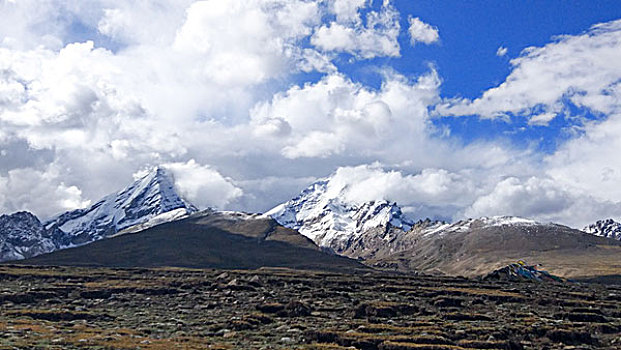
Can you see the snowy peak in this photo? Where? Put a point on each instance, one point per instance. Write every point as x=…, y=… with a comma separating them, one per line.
x=498, y=221
x=310, y=203
x=322, y=214
x=148, y=201
x=22, y=235
x=19, y=221
x=155, y=191
x=506, y=220
x=605, y=228
x=147, y=198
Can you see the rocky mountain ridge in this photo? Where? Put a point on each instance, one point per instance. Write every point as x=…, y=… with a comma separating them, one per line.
x=149, y=200
x=379, y=234
x=321, y=214
x=605, y=228
x=23, y=235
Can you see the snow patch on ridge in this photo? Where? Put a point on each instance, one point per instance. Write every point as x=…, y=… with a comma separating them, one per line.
x=485, y=221
x=605, y=228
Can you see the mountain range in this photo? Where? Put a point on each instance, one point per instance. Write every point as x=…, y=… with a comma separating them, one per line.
x=319, y=220
x=151, y=199
x=206, y=239
x=379, y=234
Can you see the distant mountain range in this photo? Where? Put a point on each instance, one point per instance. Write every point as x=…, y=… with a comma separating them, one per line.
x=377, y=233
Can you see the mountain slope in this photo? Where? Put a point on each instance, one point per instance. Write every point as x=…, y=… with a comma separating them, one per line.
x=474, y=247
x=321, y=214
x=204, y=240
x=605, y=228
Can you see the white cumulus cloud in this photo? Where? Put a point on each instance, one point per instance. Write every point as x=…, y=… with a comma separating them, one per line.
x=202, y=185
x=374, y=37
x=211, y=89
x=581, y=69
x=421, y=32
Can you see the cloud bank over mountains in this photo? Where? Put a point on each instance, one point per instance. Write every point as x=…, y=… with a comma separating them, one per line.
x=244, y=102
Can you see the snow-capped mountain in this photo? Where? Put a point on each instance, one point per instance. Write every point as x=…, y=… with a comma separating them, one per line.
x=321, y=214
x=380, y=235
x=148, y=201
x=374, y=229
x=605, y=228
x=22, y=236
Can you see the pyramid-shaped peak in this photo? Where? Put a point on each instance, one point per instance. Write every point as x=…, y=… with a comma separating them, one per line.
x=157, y=187
x=151, y=195
x=155, y=173
x=160, y=171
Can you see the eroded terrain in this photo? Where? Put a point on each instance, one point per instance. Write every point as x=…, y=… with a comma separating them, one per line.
x=98, y=308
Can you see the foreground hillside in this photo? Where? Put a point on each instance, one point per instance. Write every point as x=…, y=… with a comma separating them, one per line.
x=205, y=240
x=100, y=308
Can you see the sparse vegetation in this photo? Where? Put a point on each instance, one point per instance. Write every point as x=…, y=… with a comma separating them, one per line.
x=277, y=308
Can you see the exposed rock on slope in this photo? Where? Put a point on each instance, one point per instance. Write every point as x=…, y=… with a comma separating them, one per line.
x=521, y=271
x=605, y=228
x=22, y=235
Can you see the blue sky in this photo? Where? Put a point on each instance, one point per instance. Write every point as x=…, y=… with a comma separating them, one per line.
x=472, y=31
x=451, y=108
x=466, y=56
